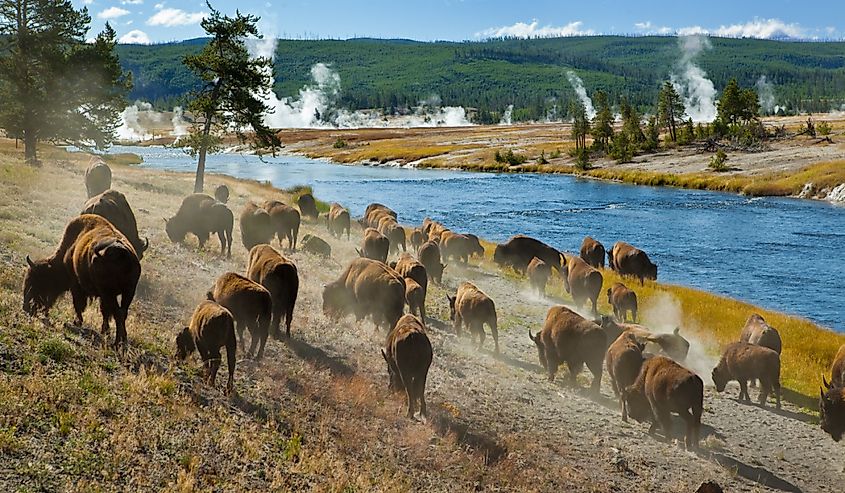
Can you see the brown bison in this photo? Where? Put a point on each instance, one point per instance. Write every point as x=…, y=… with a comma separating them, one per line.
x=307, y=205
x=415, y=298
x=630, y=261
x=673, y=345
x=759, y=333
x=417, y=239
x=623, y=360
x=316, y=246
x=518, y=251
x=374, y=213
x=742, y=362
x=475, y=247
x=113, y=206
x=221, y=194
x=832, y=398
x=201, y=215
x=394, y=233
x=212, y=327
x=375, y=245
x=256, y=226
x=430, y=257
x=623, y=301
x=338, y=221
x=661, y=388
x=433, y=229
x=471, y=308
x=570, y=338
x=366, y=288
x=582, y=282
x=251, y=306
x=408, y=267
x=285, y=220
x=457, y=246
x=93, y=260
x=280, y=277
x=592, y=252
x=408, y=355
x=538, y=275
x=97, y=178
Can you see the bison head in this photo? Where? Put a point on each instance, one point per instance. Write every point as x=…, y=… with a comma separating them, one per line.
x=43, y=284
x=184, y=344
x=541, y=348
x=335, y=301
x=832, y=410
x=637, y=404
x=651, y=272
x=174, y=230
x=720, y=378
x=395, y=381
x=500, y=255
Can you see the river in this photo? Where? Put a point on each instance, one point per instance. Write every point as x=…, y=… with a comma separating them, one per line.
x=783, y=254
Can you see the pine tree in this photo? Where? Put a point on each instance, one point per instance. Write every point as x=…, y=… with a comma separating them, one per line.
x=602, y=128
x=580, y=125
x=232, y=82
x=670, y=109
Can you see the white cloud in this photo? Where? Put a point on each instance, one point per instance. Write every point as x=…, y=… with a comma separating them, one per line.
x=533, y=30
x=112, y=13
x=648, y=28
x=692, y=31
x=132, y=2
x=762, y=28
x=170, y=17
x=135, y=36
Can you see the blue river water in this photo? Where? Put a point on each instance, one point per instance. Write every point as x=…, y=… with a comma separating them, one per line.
x=783, y=254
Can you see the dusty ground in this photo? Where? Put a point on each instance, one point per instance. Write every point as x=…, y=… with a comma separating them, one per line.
x=315, y=414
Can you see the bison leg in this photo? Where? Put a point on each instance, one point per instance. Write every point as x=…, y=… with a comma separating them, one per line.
x=551, y=363
x=80, y=302
x=231, y=355
x=221, y=235
x=743, y=390
x=596, y=369
x=479, y=329
x=494, y=330
x=661, y=414
x=634, y=315
x=240, y=330
x=419, y=385
x=595, y=303
x=108, y=309
x=575, y=367
x=214, y=365
x=457, y=324
x=776, y=386
x=690, y=439
x=276, y=321
x=765, y=388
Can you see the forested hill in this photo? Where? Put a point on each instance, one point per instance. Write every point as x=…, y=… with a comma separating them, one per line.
x=528, y=73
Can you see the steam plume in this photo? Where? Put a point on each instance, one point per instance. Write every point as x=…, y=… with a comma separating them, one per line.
x=766, y=95
x=691, y=81
x=578, y=85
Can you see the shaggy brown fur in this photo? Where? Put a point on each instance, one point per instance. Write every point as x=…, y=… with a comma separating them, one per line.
x=366, y=288
x=417, y=239
x=279, y=275
x=256, y=226
x=471, y=308
x=408, y=266
x=375, y=245
x=630, y=261
x=538, y=275
x=307, y=206
x=201, y=215
x=374, y=213
x=570, y=338
x=408, y=355
x=433, y=229
x=672, y=345
x=756, y=331
x=113, y=206
x=251, y=306
x=623, y=301
x=623, y=360
x=430, y=257
x=212, y=327
x=518, y=251
x=592, y=252
x=394, y=232
x=457, y=246
x=316, y=246
x=582, y=282
x=338, y=220
x=93, y=260
x=285, y=220
x=742, y=362
x=832, y=398
x=97, y=178
x=663, y=387
x=221, y=194
x=415, y=298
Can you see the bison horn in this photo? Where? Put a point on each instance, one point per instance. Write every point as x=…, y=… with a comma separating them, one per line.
x=530, y=336
x=146, y=244
x=677, y=329
x=29, y=261
x=383, y=355
x=826, y=384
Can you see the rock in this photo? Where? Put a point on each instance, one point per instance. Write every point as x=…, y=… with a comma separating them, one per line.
x=709, y=487
x=808, y=192
x=837, y=194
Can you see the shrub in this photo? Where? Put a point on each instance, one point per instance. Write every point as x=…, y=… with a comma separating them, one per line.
x=555, y=154
x=339, y=143
x=510, y=158
x=582, y=159
x=542, y=159
x=823, y=129
x=718, y=162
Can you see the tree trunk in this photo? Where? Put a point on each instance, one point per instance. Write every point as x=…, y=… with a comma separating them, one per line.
x=30, y=142
x=200, y=179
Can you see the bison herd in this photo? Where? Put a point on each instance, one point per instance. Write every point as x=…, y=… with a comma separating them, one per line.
x=100, y=252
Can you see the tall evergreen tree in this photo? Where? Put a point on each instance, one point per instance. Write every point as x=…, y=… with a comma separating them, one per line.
x=54, y=86
x=602, y=128
x=232, y=85
x=738, y=105
x=631, y=122
x=580, y=125
x=670, y=109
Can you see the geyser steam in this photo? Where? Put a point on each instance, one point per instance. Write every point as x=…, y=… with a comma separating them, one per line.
x=578, y=85
x=691, y=81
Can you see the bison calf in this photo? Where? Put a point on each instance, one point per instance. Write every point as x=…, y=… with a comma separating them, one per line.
x=251, y=306
x=623, y=301
x=430, y=257
x=471, y=308
x=623, y=361
x=375, y=245
x=280, y=277
x=212, y=327
x=538, y=275
x=570, y=338
x=316, y=246
x=338, y=221
x=97, y=177
x=832, y=399
x=582, y=282
x=408, y=355
x=256, y=226
x=201, y=215
x=742, y=362
x=592, y=252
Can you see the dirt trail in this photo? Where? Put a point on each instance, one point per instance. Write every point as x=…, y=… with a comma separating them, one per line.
x=501, y=409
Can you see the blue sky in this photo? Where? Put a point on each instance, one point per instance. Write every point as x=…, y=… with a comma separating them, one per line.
x=170, y=20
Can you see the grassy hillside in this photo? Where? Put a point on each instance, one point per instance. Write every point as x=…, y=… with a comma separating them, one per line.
x=530, y=74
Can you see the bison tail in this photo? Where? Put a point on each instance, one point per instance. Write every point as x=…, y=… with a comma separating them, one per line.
x=209, y=295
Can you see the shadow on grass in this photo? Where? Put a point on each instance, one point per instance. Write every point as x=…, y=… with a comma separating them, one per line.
x=319, y=358
x=759, y=475
x=803, y=417
x=444, y=425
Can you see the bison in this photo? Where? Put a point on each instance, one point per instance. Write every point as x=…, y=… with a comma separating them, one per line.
x=518, y=251
x=307, y=206
x=280, y=277
x=742, y=362
x=415, y=298
x=623, y=360
x=113, y=206
x=97, y=178
x=408, y=355
x=417, y=239
x=338, y=221
x=212, y=327
x=472, y=308
x=285, y=220
x=394, y=232
x=374, y=213
x=538, y=275
x=93, y=260
x=256, y=226
x=592, y=252
x=582, y=282
x=623, y=301
x=630, y=261
x=661, y=388
x=221, y=194
x=316, y=246
x=430, y=257
x=673, y=345
x=366, y=288
x=458, y=246
x=201, y=215
x=475, y=246
x=756, y=331
x=832, y=398
x=569, y=338
x=251, y=306
x=409, y=268
x=375, y=245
